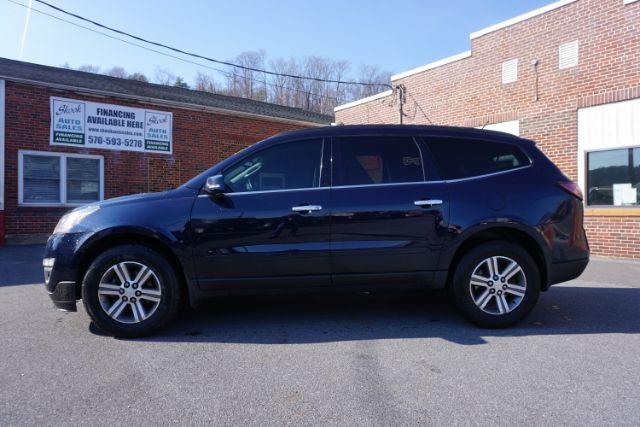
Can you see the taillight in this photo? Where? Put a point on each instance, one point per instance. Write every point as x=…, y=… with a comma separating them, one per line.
x=571, y=188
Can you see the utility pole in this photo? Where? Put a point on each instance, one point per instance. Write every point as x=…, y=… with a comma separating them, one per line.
x=400, y=92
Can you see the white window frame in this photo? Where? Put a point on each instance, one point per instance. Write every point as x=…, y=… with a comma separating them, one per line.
x=614, y=139
x=63, y=177
x=585, y=172
x=506, y=79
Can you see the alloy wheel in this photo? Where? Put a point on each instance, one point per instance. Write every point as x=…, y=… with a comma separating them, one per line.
x=129, y=292
x=498, y=285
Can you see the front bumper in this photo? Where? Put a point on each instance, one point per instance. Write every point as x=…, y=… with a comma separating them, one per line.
x=64, y=296
x=61, y=269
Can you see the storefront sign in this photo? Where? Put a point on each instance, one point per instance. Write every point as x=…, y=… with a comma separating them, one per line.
x=110, y=127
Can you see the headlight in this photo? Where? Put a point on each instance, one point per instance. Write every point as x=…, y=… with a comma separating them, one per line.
x=73, y=218
x=47, y=264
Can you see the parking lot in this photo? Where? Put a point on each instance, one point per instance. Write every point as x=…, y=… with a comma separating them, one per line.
x=356, y=360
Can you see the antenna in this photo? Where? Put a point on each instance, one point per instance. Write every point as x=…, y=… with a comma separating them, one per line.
x=26, y=28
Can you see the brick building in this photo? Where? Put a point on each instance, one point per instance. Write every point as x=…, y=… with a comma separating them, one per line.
x=69, y=138
x=567, y=76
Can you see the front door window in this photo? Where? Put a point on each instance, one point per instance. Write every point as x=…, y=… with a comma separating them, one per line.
x=288, y=166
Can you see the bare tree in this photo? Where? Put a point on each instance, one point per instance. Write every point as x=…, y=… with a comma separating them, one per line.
x=88, y=68
x=138, y=77
x=117, y=71
x=206, y=83
x=319, y=91
x=164, y=77
x=375, y=77
x=315, y=93
x=281, y=88
x=181, y=83
x=247, y=83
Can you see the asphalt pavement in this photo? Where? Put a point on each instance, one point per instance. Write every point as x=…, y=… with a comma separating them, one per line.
x=337, y=360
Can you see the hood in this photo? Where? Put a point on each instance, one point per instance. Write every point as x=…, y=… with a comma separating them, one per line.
x=114, y=211
x=134, y=198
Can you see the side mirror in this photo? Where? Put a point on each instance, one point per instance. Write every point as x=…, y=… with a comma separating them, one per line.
x=215, y=185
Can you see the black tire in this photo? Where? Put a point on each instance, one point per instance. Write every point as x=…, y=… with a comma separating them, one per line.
x=460, y=290
x=168, y=283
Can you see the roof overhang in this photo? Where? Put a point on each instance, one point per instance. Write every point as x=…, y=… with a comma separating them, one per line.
x=520, y=18
x=432, y=65
x=160, y=102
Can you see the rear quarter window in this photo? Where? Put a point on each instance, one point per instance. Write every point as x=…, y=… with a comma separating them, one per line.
x=460, y=158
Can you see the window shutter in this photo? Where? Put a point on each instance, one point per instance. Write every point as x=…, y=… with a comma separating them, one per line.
x=41, y=179
x=510, y=71
x=83, y=180
x=568, y=55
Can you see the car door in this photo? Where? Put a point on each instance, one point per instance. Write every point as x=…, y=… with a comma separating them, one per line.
x=271, y=227
x=388, y=217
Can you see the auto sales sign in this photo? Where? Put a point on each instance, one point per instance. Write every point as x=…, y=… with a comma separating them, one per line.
x=110, y=127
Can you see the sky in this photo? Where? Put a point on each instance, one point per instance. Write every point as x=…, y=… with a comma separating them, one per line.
x=392, y=35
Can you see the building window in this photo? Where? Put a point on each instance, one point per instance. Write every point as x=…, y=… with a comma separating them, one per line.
x=613, y=177
x=510, y=71
x=568, y=55
x=51, y=179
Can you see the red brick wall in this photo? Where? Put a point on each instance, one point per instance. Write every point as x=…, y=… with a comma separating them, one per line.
x=469, y=92
x=200, y=139
x=614, y=236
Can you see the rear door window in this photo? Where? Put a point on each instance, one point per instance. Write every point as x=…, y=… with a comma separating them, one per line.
x=377, y=160
x=466, y=158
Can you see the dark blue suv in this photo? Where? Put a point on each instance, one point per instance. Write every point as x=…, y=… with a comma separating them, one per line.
x=483, y=215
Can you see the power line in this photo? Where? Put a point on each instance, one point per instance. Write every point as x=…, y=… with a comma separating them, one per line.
x=195, y=55
x=227, y=73
x=418, y=105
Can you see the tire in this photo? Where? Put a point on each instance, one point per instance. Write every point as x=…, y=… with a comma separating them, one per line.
x=505, y=302
x=149, y=305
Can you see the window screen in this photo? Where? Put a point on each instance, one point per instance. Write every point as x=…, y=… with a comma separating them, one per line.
x=41, y=175
x=83, y=180
x=377, y=160
x=613, y=177
x=457, y=158
x=59, y=178
x=283, y=167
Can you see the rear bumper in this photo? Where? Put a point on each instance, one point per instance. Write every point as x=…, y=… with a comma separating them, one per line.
x=565, y=271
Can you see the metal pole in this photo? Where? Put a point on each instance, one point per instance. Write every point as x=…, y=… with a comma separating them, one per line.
x=400, y=89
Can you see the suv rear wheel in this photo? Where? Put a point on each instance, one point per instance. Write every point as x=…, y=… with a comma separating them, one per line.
x=130, y=291
x=496, y=284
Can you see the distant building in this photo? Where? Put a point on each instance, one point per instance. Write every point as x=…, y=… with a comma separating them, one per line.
x=68, y=138
x=566, y=75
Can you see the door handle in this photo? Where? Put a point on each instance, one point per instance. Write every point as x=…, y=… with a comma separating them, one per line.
x=426, y=203
x=306, y=208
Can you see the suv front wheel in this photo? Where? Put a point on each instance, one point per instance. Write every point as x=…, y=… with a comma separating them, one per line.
x=496, y=284
x=130, y=291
